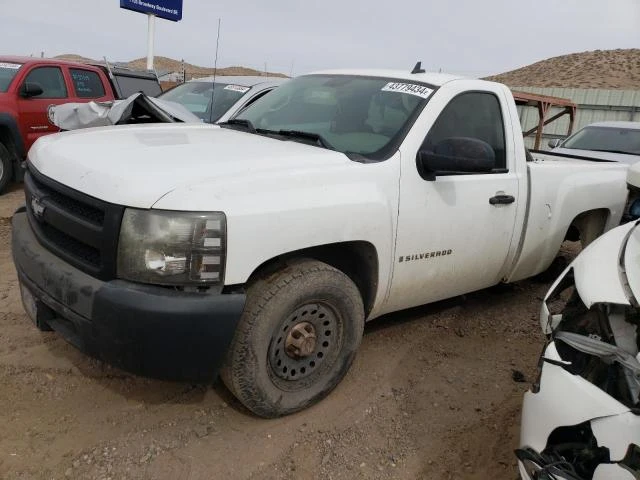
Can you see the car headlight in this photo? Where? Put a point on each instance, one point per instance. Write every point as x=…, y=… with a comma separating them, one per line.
x=172, y=248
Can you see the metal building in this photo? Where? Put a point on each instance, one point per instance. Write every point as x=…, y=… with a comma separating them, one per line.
x=594, y=105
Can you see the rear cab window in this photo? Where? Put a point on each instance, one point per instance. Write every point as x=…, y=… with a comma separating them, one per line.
x=8, y=71
x=86, y=83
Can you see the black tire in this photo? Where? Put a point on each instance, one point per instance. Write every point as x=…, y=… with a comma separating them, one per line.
x=6, y=167
x=266, y=379
x=553, y=271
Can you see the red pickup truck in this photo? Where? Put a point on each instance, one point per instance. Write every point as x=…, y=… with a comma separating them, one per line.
x=28, y=86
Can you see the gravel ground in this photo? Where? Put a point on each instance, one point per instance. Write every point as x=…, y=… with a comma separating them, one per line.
x=431, y=395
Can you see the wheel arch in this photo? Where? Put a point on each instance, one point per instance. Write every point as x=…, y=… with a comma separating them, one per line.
x=356, y=259
x=588, y=225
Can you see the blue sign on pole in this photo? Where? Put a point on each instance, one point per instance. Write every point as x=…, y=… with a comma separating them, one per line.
x=167, y=9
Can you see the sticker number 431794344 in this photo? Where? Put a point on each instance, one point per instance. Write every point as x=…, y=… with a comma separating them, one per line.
x=410, y=88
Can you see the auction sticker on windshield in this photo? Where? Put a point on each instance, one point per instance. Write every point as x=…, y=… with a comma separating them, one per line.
x=410, y=88
x=237, y=88
x=11, y=66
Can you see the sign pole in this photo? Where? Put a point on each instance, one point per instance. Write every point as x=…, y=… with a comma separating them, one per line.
x=150, y=39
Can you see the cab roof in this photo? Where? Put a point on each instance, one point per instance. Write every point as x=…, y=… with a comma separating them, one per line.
x=242, y=80
x=435, y=79
x=46, y=61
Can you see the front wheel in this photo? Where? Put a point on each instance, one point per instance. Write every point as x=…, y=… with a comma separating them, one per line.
x=296, y=340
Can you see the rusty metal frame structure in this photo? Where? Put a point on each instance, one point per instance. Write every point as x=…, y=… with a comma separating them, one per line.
x=544, y=104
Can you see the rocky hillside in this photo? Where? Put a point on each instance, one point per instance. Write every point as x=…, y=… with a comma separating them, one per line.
x=164, y=64
x=612, y=69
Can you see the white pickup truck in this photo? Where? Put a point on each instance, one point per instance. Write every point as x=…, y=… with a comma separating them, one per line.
x=258, y=249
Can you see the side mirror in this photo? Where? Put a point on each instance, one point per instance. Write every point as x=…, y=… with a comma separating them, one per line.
x=554, y=143
x=454, y=156
x=31, y=89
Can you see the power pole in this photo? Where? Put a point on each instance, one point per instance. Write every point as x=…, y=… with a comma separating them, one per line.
x=151, y=32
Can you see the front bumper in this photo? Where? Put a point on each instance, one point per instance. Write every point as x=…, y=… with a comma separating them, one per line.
x=148, y=330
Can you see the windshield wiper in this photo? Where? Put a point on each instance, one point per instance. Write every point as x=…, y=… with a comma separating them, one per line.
x=240, y=122
x=316, y=137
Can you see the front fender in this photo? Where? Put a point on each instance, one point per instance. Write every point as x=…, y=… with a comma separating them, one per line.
x=269, y=215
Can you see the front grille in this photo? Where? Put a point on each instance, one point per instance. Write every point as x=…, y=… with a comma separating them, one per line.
x=77, y=227
x=83, y=252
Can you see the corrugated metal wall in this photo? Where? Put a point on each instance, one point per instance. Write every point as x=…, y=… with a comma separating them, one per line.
x=594, y=105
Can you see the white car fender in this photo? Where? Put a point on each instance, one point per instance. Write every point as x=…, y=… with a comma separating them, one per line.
x=581, y=401
x=603, y=286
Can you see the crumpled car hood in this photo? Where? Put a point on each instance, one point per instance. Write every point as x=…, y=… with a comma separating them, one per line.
x=632, y=261
x=73, y=116
x=604, y=253
x=580, y=420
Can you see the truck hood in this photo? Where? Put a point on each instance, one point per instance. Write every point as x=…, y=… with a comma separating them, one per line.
x=136, y=166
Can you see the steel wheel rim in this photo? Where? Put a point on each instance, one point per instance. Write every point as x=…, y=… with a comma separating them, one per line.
x=290, y=368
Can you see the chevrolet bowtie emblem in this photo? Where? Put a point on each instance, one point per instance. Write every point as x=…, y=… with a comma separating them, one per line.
x=36, y=207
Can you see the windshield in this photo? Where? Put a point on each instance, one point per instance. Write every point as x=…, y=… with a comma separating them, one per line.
x=196, y=97
x=7, y=72
x=350, y=114
x=606, y=139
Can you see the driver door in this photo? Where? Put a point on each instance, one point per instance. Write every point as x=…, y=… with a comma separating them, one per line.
x=452, y=238
x=33, y=110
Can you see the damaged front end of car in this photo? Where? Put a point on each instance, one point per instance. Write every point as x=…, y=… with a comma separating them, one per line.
x=581, y=418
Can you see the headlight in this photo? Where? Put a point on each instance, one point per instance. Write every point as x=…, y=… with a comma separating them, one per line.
x=172, y=248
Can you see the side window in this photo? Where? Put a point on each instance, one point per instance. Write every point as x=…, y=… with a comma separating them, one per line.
x=472, y=115
x=51, y=81
x=87, y=84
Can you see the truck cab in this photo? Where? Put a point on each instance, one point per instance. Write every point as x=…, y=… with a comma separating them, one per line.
x=28, y=87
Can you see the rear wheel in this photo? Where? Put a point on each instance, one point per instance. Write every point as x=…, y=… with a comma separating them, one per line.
x=553, y=271
x=296, y=340
x=6, y=167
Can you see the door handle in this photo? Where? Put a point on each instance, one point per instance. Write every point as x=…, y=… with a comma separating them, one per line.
x=502, y=200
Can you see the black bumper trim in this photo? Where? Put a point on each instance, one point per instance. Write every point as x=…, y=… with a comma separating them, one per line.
x=147, y=330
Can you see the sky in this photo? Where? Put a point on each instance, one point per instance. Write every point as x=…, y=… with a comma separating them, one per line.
x=466, y=37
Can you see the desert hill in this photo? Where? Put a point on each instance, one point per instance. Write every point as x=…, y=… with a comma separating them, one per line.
x=165, y=64
x=610, y=69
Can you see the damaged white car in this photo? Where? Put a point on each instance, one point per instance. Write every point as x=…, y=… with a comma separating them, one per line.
x=137, y=108
x=581, y=419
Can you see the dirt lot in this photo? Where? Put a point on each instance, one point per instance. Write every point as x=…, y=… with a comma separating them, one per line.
x=430, y=396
